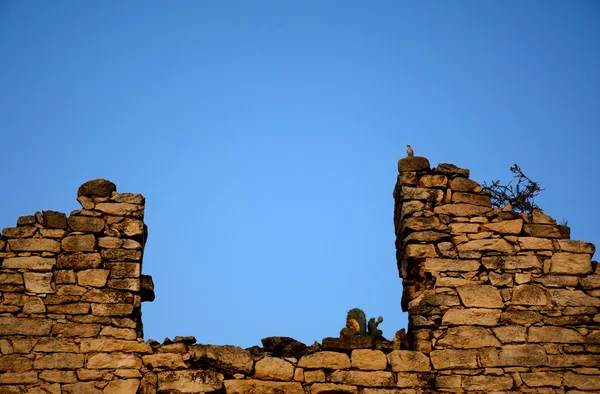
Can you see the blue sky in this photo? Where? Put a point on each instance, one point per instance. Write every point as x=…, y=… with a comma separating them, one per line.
x=265, y=136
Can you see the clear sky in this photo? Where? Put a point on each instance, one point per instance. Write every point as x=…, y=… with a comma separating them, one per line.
x=265, y=136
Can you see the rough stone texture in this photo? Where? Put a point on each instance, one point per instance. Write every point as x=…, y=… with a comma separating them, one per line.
x=498, y=301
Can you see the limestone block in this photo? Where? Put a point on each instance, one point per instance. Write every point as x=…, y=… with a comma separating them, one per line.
x=10, y=325
x=314, y=376
x=460, y=209
x=539, y=379
x=58, y=361
x=454, y=359
x=97, y=188
x=126, y=386
x=486, y=245
x=487, y=383
x=513, y=356
x=326, y=388
x=571, y=263
x=107, y=296
x=422, y=223
x=79, y=261
x=468, y=338
x=546, y=230
x=113, y=360
x=408, y=361
x=573, y=298
x=567, y=245
x=131, y=227
x=112, y=309
x=14, y=362
x=273, y=368
x=11, y=278
x=92, y=277
x=76, y=308
x=19, y=232
x=452, y=282
x=530, y=295
x=164, y=360
x=418, y=251
x=554, y=334
x=122, y=333
x=443, y=265
x=79, y=243
x=65, y=276
x=590, y=282
x=558, y=280
x=131, y=284
x=76, y=329
x=34, y=245
x=260, y=386
x=60, y=345
x=500, y=280
x=480, y=296
x=459, y=228
x=326, y=359
x=53, y=219
x=508, y=334
x=92, y=345
x=413, y=163
x=463, y=184
x=18, y=378
x=424, y=236
x=89, y=224
x=421, y=194
x=57, y=376
x=433, y=181
x=582, y=382
x=121, y=209
x=81, y=388
x=471, y=198
x=229, y=358
x=473, y=316
x=363, y=378
x=121, y=254
x=23, y=344
x=533, y=243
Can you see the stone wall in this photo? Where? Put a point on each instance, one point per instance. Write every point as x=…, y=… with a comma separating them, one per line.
x=497, y=301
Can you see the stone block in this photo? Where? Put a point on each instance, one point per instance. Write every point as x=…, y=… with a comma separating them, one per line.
x=58, y=361
x=79, y=261
x=34, y=245
x=229, y=358
x=408, y=361
x=480, y=296
x=530, y=295
x=571, y=263
x=554, y=334
x=363, y=378
x=92, y=277
x=79, y=243
x=273, y=368
x=10, y=325
x=454, y=359
x=413, y=163
x=473, y=316
x=325, y=359
x=122, y=386
x=513, y=356
x=113, y=360
x=468, y=337
x=460, y=209
x=169, y=361
x=89, y=224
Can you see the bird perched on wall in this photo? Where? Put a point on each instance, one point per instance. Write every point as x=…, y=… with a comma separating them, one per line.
x=409, y=151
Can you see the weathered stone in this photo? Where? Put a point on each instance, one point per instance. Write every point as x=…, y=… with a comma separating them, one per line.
x=56, y=376
x=363, y=378
x=471, y=198
x=571, y=263
x=81, y=388
x=164, y=360
x=554, y=334
x=64, y=276
x=127, y=386
x=442, y=265
x=558, y=280
x=19, y=232
x=10, y=325
x=546, y=230
x=590, y=282
x=368, y=360
x=487, y=383
x=227, y=358
x=18, y=378
x=540, y=217
x=480, y=296
x=530, y=295
x=328, y=388
x=505, y=226
x=500, y=280
x=113, y=360
x=349, y=343
x=452, y=282
x=418, y=251
x=107, y=296
x=474, y=316
x=122, y=254
x=93, y=345
x=133, y=198
x=26, y=220
x=508, y=334
x=59, y=361
x=454, y=359
x=567, y=245
x=52, y=345
x=23, y=344
x=438, y=300
x=468, y=338
x=78, y=308
x=422, y=223
x=513, y=356
x=190, y=381
x=573, y=298
x=408, y=361
x=97, y=188
x=463, y=184
x=53, y=219
x=451, y=169
x=459, y=228
x=34, y=245
x=112, y=309
x=461, y=209
x=15, y=363
x=326, y=359
x=538, y=379
x=11, y=278
x=582, y=382
x=131, y=284
x=422, y=194
x=79, y=261
x=92, y=277
x=433, y=181
x=121, y=209
x=68, y=291
x=413, y=163
x=273, y=368
x=424, y=236
x=79, y=243
x=258, y=386
x=34, y=305
x=86, y=223
x=486, y=245
x=532, y=243
x=313, y=376
x=76, y=329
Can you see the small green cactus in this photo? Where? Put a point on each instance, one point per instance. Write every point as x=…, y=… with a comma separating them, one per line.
x=372, y=329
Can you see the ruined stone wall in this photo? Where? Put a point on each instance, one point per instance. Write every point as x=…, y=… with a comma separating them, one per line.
x=497, y=301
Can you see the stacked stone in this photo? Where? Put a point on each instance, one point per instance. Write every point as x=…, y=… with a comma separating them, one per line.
x=500, y=300
x=70, y=296
x=284, y=365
